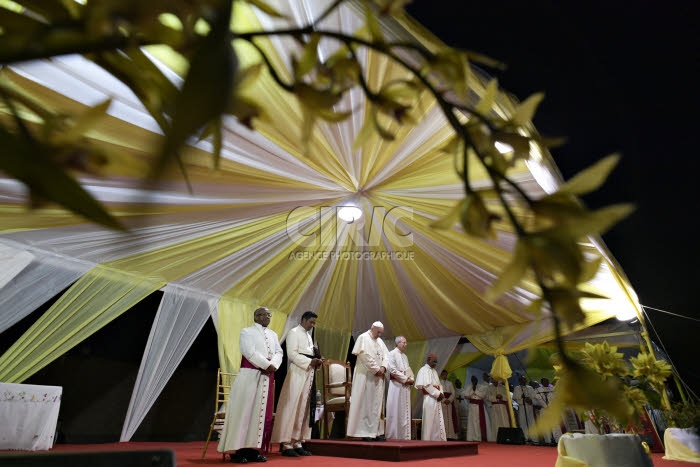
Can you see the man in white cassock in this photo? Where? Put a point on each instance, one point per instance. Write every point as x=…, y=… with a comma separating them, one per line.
x=248, y=423
x=462, y=409
x=292, y=425
x=428, y=382
x=500, y=415
x=449, y=410
x=367, y=396
x=478, y=422
x=398, y=398
x=526, y=398
x=546, y=393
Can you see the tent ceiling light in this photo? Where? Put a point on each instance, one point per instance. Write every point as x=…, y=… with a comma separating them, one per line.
x=349, y=214
x=626, y=314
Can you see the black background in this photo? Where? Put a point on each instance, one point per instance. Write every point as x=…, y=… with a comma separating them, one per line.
x=618, y=77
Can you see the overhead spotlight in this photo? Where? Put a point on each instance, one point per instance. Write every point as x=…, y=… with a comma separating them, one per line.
x=349, y=213
x=626, y=314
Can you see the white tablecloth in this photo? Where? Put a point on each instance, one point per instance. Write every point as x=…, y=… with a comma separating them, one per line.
x=614, y=449
x=28, y=416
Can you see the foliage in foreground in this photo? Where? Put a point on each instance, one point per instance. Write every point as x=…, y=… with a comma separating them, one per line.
x=601, y=383
x=46, y=154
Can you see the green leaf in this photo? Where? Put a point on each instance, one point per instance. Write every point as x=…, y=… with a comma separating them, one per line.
x=384, y=133
x=592, y=178
x=266, y=8
x=134, y=69
x=82, y=123
x=333, y=117
x=512, y=274
x=373, y=26
x=309, y=57
x=475, y=218
x=18, y=27
x=52, y=12
x=244, y=109
x=556, y=258
x=450, y=219
x=365, y=132
x=526, y=110
x=206, y=92
x=244, y=78
x=31, y=164
x=519, y=143
x=590, y=269
x=593, y=223
x=486, y=103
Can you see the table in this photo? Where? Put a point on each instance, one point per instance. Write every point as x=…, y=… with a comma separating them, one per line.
x=29, y=414
x=682, y=444
x=614, y=449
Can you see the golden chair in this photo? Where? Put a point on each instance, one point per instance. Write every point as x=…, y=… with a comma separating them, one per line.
x=337, y=385
x=223, y=388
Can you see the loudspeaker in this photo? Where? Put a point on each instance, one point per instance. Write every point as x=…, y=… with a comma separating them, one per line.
x=157, y=458
x=507, y=435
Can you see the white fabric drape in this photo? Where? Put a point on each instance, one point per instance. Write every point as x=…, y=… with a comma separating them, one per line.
x=38, y=282
x=13, y=260
x=182, y=313
x=181, y=316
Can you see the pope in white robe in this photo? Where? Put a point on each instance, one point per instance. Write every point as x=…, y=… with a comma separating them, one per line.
x=478, y=423
x=526, y=398
x=428, y=382
x=248, y=423
x=449, y=411
x=367, y=396
x=292, y=427
x=398, y=398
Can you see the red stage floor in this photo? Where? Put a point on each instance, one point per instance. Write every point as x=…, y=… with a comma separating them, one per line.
x=490, y=455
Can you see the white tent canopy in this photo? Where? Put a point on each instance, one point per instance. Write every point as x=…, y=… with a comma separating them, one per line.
x=262, y=229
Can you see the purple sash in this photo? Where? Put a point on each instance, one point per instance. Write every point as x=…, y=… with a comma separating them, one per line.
x=269, y=409
x=482, y=417
x=502, y=402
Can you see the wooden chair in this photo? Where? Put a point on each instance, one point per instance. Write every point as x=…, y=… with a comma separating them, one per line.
x=337, y=385
x=223, y=388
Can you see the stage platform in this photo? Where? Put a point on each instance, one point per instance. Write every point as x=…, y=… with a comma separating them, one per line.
x=391, y=450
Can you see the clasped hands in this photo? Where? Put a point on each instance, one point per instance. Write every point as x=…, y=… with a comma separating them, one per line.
x=316, y=363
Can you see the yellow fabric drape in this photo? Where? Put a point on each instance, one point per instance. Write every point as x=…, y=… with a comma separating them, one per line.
x=495, y=343
x=460, y=360
x=333, y=343
x=97, y=298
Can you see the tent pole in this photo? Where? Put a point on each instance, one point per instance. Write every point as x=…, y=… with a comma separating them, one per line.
x=680, y=388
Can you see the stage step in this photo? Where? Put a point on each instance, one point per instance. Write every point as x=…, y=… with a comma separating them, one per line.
x=391, y=450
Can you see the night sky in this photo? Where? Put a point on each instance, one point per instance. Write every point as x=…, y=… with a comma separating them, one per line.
x=618, y=77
